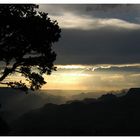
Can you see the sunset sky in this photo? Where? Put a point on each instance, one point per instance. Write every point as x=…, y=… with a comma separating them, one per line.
x=99, y=47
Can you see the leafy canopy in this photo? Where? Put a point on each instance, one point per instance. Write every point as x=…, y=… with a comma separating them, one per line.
x=26, y=39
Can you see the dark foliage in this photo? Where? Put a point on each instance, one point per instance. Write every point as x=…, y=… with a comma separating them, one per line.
x=26, y=39
x=106, y=116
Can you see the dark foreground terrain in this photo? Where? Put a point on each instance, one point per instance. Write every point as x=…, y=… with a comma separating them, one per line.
x=106, y=116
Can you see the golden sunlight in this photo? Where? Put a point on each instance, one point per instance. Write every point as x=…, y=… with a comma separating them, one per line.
x=66, y=80
x=87, y=77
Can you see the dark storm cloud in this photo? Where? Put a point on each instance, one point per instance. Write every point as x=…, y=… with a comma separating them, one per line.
x=97, y=33
x=128, y=12
x=101, y=46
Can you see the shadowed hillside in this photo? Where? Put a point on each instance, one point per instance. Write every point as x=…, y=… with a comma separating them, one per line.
x=107, y=115
x=4, y=128
x=15, y=103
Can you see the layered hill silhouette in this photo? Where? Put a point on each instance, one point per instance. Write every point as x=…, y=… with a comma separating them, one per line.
x=106, y=116
x=14, y=103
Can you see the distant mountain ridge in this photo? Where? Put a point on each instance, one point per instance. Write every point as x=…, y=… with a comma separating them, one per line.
x=14, y=103
x=106, y=116
x=133, y=91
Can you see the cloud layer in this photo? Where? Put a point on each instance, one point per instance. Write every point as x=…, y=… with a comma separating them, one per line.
x=71, y=21
x=100, y=46
x=97, y=33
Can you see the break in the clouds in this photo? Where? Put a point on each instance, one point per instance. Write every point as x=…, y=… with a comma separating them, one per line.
x=135, y=68
x=128, y=12
x=95, y=77
x=97, y=34
x=71, y=21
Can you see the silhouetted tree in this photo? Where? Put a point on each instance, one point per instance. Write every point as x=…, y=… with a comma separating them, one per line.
x=26, y=39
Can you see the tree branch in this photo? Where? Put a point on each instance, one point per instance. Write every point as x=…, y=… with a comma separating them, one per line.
x=7, y=71
x=2, y=83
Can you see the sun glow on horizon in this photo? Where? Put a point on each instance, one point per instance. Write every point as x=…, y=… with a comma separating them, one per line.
x=88, y=77
x=66, y=80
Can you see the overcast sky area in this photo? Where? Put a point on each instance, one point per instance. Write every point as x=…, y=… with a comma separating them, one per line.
x=96, y=36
